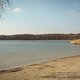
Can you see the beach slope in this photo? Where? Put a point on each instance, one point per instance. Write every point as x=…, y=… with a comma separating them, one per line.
x=67, y=68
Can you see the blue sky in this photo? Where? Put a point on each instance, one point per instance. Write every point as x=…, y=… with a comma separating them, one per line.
x=41, y=17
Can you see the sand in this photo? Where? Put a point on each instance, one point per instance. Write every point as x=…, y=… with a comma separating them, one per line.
x=76, y=41
x=67, y=68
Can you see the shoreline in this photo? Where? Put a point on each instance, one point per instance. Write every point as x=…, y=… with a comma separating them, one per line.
x=14, y=69
x=63, y=68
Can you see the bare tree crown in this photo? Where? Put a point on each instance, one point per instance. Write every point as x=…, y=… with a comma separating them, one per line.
x=3, y=5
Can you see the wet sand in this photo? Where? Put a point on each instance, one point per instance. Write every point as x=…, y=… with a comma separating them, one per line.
x=67, y=68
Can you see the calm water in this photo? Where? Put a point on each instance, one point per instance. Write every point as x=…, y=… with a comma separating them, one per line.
x=17, y=53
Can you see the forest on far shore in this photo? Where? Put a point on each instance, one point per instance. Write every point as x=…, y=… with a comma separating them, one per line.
x=40, y=37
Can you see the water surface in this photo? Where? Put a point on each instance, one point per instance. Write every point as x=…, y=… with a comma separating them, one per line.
x=20, y=52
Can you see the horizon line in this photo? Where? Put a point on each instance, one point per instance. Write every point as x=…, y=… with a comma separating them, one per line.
x=37, y=33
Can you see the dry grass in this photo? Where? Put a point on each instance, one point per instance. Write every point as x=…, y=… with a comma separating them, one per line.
x=76, y=41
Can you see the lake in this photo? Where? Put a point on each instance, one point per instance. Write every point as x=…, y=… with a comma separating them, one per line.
x=14, y=53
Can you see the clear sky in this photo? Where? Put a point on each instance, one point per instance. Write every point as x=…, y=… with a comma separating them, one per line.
x=41, y=16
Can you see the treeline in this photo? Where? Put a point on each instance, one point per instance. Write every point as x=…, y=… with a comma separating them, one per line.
x=40, y=37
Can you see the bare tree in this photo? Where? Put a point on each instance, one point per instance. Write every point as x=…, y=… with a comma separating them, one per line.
x=3, y=6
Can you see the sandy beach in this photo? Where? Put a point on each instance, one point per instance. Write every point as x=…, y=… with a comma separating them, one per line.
x=67, y=68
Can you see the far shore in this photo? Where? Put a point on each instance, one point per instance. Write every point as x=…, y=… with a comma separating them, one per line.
x=64, y=68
